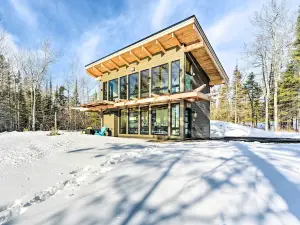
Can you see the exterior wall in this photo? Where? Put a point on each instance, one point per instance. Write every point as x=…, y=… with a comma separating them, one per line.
x=201, y=122
x=110, y=120
x=171, y=55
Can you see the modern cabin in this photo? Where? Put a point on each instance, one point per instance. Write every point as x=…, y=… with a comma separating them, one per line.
x=159, y=87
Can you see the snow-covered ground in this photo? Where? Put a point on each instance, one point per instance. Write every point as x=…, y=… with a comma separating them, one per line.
x=220, y=129
x=82, y=179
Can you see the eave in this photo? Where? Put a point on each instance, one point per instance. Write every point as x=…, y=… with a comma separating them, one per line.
x=187, y=35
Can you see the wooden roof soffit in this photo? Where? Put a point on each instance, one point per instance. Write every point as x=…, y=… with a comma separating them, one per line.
x=176, y=40
x=97, y=69
x=124, y=60
x=105, y=67
x=197, y=32
x=193, y=47
x=114, y=64
x=134, y=55
x=147, y=51
x=214, y=82
x=160, y=46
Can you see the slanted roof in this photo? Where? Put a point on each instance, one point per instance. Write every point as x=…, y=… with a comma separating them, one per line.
x=186, y=34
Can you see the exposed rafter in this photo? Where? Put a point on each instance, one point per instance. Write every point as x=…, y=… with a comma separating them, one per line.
x=200, y=88
x=124, y=60
x=176, y=40
x=146, y=50
x=193, y=47
x=134, y=55
x=115, y=65
x=90, y=73
x=160, y=46
x=105, y=67
x=99, y=71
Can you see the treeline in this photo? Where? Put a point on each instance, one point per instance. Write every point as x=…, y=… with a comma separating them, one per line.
x=270, y=95
x=28, y=100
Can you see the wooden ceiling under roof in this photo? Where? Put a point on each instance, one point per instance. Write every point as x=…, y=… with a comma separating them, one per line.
x=187, y=35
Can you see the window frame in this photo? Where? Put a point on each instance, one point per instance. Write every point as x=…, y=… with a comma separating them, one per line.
x=165, y=88
x=144, y=109
x=177, y=85
x=128, y=86
x=120, y=124
x=105, y=91
x=148, y=87
x=178, y=117
x=167, y=119
x=136, y=111
x=112, y=98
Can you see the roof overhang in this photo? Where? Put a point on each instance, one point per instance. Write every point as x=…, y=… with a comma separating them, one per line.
x=187, y=35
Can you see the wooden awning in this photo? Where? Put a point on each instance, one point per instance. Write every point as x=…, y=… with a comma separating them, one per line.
x=186, y=34
x=195, y=95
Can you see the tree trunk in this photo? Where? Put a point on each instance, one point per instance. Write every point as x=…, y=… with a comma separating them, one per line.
x=33, y=109
x=276, y=100
x=267, y=111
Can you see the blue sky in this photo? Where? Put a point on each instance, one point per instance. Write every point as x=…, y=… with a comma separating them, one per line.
x=90, y=29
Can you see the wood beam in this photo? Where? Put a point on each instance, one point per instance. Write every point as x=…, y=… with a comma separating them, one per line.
x=200, y=88
x=160, y=46
x=176, y=40
x=95, y=68
x=197, y=32
x=193, y=47
x=147, y=51
x=134, y=55
x=115, y=65
x=154, y=95
x=89, y=73
x=124, y=60
x=108, y=102
x=214, y=82
x=105, y=67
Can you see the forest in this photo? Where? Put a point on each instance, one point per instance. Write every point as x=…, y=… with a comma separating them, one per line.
x=269, y=94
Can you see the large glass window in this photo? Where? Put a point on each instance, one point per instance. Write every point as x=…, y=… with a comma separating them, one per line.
x=113, y=89
x=175, y=121
x=144, y=83
x=144, y=121
x=123, y=121
x=160, y=79
x=133, y=86
x=133, y=121
x=188, y=80
x=123, y=87
x=175, y=76
x=104, y=90
x=160, y=120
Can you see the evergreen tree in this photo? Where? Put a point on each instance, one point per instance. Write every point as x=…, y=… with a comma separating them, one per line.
x=296, y=52
x=254, y=92
x=238, y=95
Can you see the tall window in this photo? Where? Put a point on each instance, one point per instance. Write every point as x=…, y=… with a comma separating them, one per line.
x=113, y=89
x=144, y=83
x=133, y=121
x=175, y=76
x=160, y=79
x=123, y=121
x=175, y=122
x=188, y=80
x=133, y=86
x=104, y=90
x=123, y=87
x=144, y=121
x=160, y=120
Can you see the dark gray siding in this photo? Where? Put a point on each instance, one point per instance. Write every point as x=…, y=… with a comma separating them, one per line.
x=201, y=123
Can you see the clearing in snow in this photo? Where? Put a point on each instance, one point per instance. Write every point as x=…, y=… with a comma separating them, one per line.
x=82, y=179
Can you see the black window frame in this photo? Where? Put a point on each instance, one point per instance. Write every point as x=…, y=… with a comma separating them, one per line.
x=144, y=93
x=142, y=130
x=126, y=85
x=178, y=117
x=121, y=129
x=188, y=74
x=172, y=74
x=104, y=90
x=160, y=90
x=133, y=130
x=129, y=88
x=111, y=97
x=165, y=130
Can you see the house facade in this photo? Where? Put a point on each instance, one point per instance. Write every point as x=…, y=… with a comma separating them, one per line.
x=159, y=87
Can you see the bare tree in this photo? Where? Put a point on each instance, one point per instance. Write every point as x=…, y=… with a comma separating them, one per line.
x=269, y=49
x=35, y=64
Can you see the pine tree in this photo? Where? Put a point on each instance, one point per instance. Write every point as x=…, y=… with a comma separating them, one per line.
x=296, y=52
x=254, y=92
x=237, y=95
x=223, y=108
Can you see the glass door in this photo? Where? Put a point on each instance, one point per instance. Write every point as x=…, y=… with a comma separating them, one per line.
x=187, y=122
